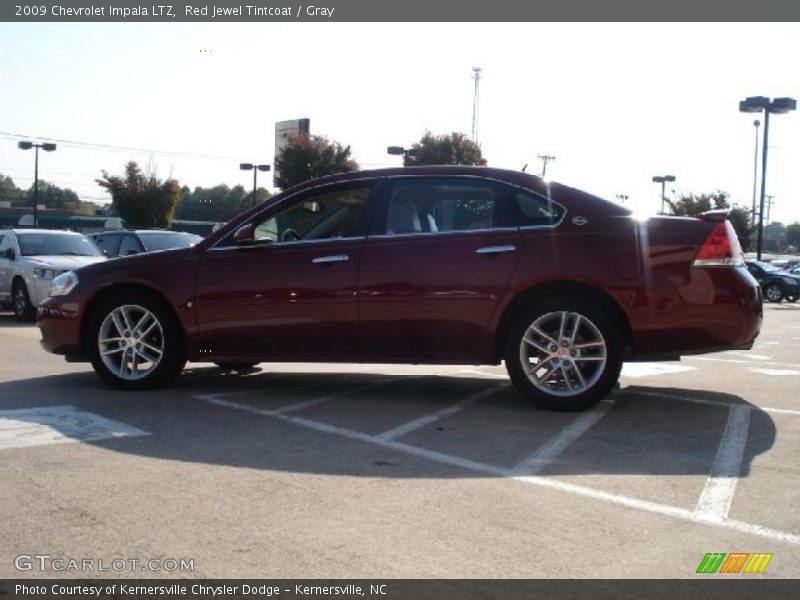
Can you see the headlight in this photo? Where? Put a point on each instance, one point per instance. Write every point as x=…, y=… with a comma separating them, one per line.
x=47, y=274
x=64, y=284
x=790, y=280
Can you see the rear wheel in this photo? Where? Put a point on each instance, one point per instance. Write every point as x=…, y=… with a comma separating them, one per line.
x=564, y=355
x=136, y=342
x=773, y=292
x=23, y=309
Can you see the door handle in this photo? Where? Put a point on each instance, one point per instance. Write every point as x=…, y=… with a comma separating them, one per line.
x=496, y=249
x=324, y=260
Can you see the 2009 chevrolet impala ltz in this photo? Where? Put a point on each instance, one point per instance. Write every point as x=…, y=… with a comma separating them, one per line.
x=446, y=265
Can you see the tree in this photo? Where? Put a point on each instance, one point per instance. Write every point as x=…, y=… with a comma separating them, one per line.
x=8, y=190
x=218, y=203
x=447, y=149
x=310, y=156
x=792, y=233
x=689, y=205
x=141, y=199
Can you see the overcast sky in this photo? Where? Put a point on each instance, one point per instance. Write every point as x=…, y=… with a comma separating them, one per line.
x=615, y=103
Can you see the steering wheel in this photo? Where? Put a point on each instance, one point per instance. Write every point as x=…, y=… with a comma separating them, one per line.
x=289, y=235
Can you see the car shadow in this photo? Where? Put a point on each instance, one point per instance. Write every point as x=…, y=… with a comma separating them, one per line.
x=220, y=418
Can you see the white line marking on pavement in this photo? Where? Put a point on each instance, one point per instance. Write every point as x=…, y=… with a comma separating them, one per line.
x=777, y=372
x=653, y=368
x=663, y=509
x=693, y=400
x=45, y=425
x=555, y=446
x=483, y=373
x=339, y=396
x=742, y=362
x=747, y=354
x=715, y=500
x=407, y=428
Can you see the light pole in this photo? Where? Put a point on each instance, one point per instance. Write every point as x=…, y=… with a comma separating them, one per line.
x=756, y=124
x=47, y=148
x=401, y=151
x=545, y=158
x=755, y=104
x=255, y=168
x=623, y=198
x=663, y=179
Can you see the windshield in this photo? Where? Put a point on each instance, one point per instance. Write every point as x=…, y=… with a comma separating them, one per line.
x=55, y=244
x=768, y=268
x=168, y=241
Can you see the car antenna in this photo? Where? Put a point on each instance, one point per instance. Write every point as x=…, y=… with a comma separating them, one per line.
x=525, y=167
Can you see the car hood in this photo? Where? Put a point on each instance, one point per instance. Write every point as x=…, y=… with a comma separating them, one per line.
x=64, y=263
x=141, y=261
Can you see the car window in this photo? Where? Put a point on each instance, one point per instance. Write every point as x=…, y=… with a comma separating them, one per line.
x=108, y=243
x=162, y=240
x=55, y=244
x=130, y=245
x=332, y=214
x=437, y=205
x=530, y=210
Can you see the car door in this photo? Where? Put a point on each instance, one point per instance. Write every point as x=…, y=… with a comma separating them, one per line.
x=290, y=295
x=434, y=268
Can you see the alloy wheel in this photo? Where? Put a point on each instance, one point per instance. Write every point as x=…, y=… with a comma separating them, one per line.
x=563, y=353
x=131, y=342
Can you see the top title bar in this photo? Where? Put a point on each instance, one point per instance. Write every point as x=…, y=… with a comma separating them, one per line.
x=398, y=10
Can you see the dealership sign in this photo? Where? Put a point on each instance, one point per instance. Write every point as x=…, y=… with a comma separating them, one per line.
x=283, y=130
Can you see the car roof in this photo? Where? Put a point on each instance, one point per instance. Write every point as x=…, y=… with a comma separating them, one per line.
x=46, y=231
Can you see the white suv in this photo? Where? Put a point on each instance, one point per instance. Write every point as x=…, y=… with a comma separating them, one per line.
x=31, y=258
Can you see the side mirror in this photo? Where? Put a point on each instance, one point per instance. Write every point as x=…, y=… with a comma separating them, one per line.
x=246, y=234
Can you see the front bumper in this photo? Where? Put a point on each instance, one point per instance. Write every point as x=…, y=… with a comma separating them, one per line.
x=59, y=323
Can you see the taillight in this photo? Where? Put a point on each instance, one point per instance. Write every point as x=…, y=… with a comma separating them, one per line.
x=721, y=248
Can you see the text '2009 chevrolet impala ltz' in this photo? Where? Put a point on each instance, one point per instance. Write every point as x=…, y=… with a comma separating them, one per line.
x=440, y=265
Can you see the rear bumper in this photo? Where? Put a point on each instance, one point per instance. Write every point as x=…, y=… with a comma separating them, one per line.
x=718, y=309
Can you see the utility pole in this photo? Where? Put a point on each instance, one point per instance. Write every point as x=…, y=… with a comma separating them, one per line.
x=476, y=75
x=756, y=124
x=769, y=206
x=545, y=158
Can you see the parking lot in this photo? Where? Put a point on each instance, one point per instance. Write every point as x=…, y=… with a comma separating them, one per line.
x=397, y=471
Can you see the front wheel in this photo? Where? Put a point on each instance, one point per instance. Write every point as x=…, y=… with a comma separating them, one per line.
x=136, y=342
x=564, y=355
x=24, y=311
x=773, y=292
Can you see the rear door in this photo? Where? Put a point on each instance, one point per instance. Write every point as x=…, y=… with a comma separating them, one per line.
x=434, y=268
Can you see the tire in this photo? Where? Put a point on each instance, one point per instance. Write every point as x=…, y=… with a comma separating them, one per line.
x=773, y=292
x=24, y=311
x=571, y=384
x=236, y=366
x=150, y=326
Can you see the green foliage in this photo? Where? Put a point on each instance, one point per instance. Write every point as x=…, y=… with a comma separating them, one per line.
x=219, y=203
x=310, y=156
x=792, y=234
x=689, y=205
x=50, y=195
x=447, y=149
x=141, y=199
x=774, y=237
x=9, y=191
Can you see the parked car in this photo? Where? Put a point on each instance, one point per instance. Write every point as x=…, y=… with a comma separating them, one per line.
x=776, y=283
x=31, y=258
x=447, y=265
x=126, y=243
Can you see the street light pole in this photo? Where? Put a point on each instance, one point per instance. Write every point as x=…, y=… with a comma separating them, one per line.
x=663, y=179
x=47, y=147
x=756, y=104
x=255, y=168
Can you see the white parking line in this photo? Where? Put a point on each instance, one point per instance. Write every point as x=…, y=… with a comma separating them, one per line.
x=717, y=495
x=555, y=446
x=407, y=428
x=45, y=425
x=775, y=372
x=440, y=457
x=694, y=400
x=649, y=369
x=339, y=396
x=742, y=362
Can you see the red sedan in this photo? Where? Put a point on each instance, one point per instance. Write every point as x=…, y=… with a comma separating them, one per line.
x=439, y=265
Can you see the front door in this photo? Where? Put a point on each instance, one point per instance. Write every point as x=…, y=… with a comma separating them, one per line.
x=292, y=294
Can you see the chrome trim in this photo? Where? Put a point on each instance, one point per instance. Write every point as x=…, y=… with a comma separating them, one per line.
x=449, y=232
x=284, y=244
x=496, y=249
x=324, y=260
